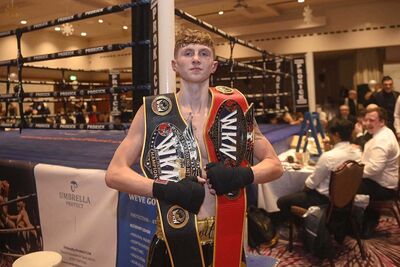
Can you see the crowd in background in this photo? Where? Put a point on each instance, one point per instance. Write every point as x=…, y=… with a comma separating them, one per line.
x=366, y=131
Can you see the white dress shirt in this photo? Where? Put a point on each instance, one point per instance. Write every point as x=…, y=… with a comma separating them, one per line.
x=396, y=115
x=330, y=161
x=380, y=157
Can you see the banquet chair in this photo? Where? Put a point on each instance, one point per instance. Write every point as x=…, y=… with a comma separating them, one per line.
x=391, y=205
x=343, y=187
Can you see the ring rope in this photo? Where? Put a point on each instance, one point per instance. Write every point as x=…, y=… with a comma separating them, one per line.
x=73, y=18
x=38, y=116
x=16, y=230
x=57, y=126
x=250, y=67
x=54, y=83
x=11, y=254
x=220, y=32
x=64, y=99
x=97, y=91
x=16, y=200
x=74, y=53
x=74, y=70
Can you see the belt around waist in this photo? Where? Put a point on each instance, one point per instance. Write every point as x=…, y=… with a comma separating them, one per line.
x=205, y=229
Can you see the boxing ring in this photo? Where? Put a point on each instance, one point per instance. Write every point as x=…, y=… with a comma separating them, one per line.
x=53, y=166
x=94, y=149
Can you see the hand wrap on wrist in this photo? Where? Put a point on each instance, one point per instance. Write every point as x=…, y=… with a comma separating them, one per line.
x=187, y=193
x=225, y=179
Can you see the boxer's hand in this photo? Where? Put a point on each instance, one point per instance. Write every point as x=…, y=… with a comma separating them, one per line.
x=225, y=179
x=187, y=193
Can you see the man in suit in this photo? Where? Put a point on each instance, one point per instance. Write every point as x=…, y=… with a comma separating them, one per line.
x=386, y=99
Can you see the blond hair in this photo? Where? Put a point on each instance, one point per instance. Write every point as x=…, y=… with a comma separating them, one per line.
x=189, y=36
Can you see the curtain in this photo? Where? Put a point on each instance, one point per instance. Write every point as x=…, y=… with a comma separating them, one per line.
x=369, y=65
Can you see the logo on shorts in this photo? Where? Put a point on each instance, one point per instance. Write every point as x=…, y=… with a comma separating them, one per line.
x=161, y=105
x=224, y=89
x=177, y=217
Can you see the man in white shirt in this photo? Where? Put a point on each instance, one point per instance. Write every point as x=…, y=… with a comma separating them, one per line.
x=380, y=157
x=396, y=115
x=316, y=190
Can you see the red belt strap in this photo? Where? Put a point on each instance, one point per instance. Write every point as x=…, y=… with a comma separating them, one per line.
x=229, y=139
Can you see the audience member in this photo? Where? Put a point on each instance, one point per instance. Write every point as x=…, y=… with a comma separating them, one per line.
x=386, y=98
x=316, y=190
x=125, y=105
x=396, y=116
x=292, y=119
x=273, y=118
x=80, y=111
x=360, y=133
x=373, y=87
x=92, y=112
x=351, y=102
x=344, y=113
x=380, y=157
x=36, y=109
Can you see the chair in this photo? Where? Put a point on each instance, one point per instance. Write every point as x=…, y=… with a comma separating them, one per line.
x=344, y=184
x=391, y=205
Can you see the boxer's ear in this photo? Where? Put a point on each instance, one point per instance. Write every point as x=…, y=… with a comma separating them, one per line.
x=173, y=64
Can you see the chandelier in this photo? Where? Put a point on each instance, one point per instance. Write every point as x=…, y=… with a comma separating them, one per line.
x=307, y=14
x=67, y=29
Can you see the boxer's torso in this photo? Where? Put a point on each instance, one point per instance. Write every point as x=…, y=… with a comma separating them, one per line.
x=198, y=121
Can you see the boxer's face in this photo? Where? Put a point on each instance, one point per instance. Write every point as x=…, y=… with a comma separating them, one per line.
x=194, y=63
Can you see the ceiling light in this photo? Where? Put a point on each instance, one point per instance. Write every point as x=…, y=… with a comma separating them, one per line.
x=67, y=29
x=300, y=1
x=23, y=22
x=220, y=12
x=100, y=21
x=57, y=29
x=125, y=27
x=83, y=33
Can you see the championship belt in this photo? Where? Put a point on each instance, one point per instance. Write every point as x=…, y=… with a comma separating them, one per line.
x=229, y=139
x=170, y=154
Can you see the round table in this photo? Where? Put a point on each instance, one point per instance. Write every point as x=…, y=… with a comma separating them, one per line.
x=39, y=259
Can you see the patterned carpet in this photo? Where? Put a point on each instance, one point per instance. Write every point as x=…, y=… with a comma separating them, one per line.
x=383, y=249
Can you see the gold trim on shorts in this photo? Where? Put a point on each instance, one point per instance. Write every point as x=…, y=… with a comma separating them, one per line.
x=205, y=227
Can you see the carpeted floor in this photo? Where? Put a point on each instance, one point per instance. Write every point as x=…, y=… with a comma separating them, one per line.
x=383, y=249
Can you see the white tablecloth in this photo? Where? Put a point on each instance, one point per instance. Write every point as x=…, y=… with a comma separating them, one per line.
x=291, y=181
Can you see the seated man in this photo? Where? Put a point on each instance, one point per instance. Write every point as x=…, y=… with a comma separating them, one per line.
x=360, y=133
x=316, y=190
x=344, y=113
x=381, y=154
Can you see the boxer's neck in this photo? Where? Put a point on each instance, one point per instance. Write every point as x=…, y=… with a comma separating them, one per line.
x=194, y=98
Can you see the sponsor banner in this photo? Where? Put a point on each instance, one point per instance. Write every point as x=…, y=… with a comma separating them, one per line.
x=136, y=228
x=19, y=216
x=155, y=46
x=279, y=82
x=114, y=79
x=78, y=214
x=300, y=77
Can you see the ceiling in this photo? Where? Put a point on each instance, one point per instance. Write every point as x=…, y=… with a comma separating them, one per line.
x=262, y=15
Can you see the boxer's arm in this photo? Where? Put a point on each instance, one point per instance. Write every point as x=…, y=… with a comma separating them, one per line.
x=269, y=167
x=119, y=174
x=224, y=179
